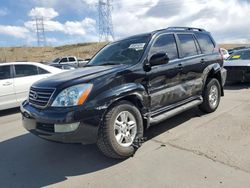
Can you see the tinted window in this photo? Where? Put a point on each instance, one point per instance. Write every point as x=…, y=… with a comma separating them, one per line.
x=240, y=55
x=71, y=59
x=64, y=60
x=188, y=45
x=127, y=51
x=166, y=44
x=206, y=43
x=5, y=72
x=25, y=70
x=42, y=71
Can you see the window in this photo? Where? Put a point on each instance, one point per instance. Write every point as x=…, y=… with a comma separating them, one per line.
x=42, y=71
x=188, y=45
x=240, y=55
x=63, y=60
x=127, y=51
x=5, y=72
x=25, y=70
x=206, y=43
x=71, y=59
x=165, y=44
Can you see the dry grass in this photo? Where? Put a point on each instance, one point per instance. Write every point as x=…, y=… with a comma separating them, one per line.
x=43, y=54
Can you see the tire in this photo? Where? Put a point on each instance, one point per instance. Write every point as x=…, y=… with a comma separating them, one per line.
x=208, y=104
x=108, y=133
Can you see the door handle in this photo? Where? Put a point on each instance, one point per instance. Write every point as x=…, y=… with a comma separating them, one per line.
x=7, y=83
x=180, y=66
x=203, y=61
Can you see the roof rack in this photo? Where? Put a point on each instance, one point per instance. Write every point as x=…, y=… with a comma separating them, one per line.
x=186, y=28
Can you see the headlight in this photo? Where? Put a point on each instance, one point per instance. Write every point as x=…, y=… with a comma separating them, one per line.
x=73, y=96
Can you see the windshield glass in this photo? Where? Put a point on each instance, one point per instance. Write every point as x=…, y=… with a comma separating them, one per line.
x=56, y=60
x=240, y=55
x=128, y=51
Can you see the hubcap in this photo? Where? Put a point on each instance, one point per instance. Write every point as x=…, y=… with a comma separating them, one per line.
x=125, y=128
x=213, y=96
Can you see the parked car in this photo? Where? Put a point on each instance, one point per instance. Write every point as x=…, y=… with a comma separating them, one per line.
x=238, y=66
x=224, y=53
x=127, y=87
x=71, y=60
x=63, y=66
x=16, y=79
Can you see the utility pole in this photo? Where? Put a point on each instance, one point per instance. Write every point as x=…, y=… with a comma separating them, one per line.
x=106, y=32
x=41, y=39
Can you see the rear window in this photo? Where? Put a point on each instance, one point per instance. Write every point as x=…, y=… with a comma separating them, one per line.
x=206, y=43
x=240, y=55
x=25, y=70
x=187, y=45
x=71, y=59
x=5, y=72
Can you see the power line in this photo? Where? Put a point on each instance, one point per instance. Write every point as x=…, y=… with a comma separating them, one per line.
x=40, y=32
x=106, y=32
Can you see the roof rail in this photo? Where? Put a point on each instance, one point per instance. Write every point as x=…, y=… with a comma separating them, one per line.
x=186, y=28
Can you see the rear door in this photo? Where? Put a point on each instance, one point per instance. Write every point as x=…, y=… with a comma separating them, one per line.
x=7, y=94
x=192, y=65
x=164, y=79
x=73, y=61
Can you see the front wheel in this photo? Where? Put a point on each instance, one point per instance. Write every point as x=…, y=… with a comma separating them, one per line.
x=121, y=126
x=211, y=96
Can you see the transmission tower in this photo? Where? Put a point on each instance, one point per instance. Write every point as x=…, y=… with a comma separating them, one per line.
x=41, y=39
x=106, y=32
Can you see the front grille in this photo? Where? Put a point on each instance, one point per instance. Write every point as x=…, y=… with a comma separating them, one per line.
x=40, y=97
x=46, y=127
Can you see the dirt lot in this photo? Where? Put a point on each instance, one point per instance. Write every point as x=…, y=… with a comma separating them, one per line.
x=190, y=150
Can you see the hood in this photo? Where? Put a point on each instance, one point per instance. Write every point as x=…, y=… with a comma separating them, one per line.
x=236, y=63
x=83, y=75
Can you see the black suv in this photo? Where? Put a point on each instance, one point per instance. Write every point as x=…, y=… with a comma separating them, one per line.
x=128, y=86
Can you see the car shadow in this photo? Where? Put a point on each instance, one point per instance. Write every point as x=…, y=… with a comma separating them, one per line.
x=237, y=86
x=9, y=111
x=28, y=161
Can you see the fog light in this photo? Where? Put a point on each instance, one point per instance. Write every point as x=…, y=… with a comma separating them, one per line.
x=64, y=128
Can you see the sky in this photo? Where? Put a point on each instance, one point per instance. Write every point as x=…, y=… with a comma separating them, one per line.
x=76, y=21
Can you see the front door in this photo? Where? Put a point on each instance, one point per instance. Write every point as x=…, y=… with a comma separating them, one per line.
x=164, y=80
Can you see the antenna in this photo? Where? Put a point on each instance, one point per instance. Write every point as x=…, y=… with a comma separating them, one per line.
x=106, y=32
x=41, y=39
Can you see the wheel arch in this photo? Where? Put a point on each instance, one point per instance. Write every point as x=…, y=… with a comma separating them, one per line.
x=214, y=71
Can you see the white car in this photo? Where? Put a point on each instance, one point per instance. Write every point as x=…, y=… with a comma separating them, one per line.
x=16, y=79
x=224, y=53
x=238, y=66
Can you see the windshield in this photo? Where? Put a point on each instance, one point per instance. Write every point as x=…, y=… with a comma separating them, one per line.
x=240, y=55
x=128, y=51
x=56, y=60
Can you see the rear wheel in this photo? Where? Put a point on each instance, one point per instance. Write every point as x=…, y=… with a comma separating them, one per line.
x=121, y=126
x=211, y=96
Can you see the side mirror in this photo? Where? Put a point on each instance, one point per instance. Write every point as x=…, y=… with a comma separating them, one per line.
x=159, y=59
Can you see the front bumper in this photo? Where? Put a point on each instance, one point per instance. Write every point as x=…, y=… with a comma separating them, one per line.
x=238, y=73
x=41, y=122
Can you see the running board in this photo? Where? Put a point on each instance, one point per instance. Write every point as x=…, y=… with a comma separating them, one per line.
x=175, y=111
